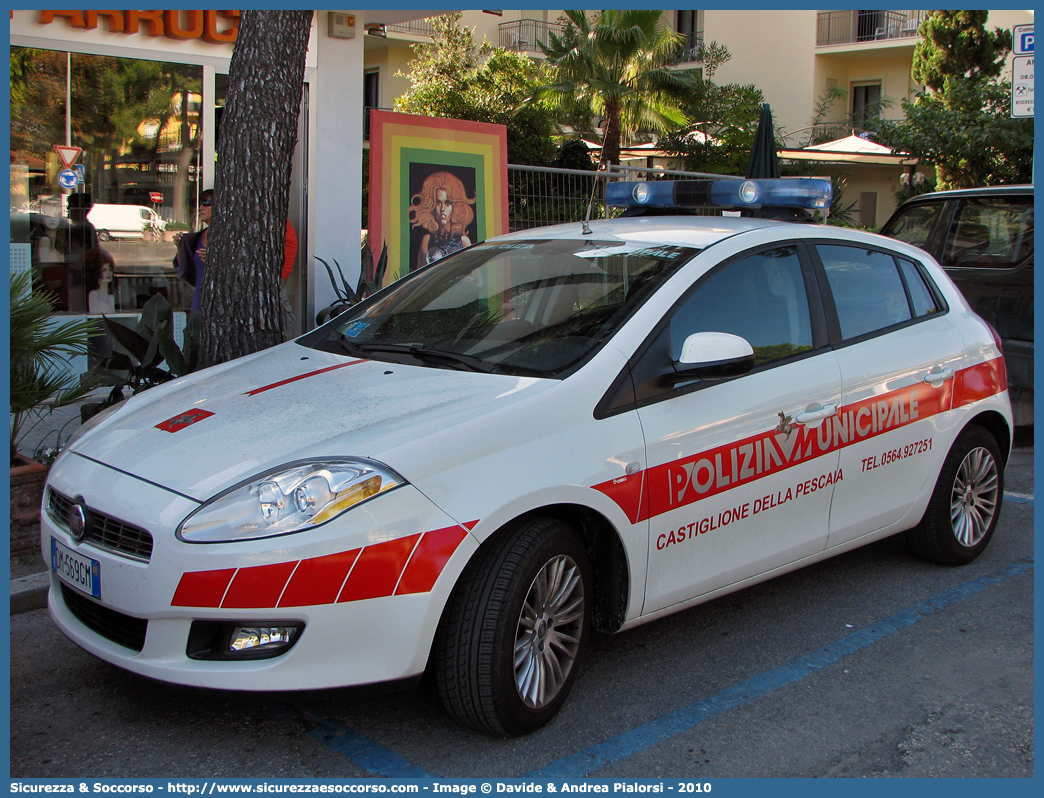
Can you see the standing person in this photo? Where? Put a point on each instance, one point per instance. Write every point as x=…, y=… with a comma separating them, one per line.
x=190, y=260
x=443, y=208
x=289, y=255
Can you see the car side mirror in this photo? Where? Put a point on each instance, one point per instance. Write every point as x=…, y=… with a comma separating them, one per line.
x=713, y=355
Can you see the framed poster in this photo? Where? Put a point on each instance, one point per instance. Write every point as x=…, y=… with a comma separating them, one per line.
x=436, y=186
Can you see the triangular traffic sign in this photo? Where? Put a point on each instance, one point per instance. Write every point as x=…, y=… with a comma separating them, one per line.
x=67, y=155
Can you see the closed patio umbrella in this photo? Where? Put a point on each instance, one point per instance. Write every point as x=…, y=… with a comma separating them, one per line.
x=763, y=160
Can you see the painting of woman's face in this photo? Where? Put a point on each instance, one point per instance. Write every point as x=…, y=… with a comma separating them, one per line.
x=106, y=273
x=443, y=208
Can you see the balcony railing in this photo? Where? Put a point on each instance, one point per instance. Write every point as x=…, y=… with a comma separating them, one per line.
x=691, y=49
x=419, y=27
x=526, y=35
x=850, y=27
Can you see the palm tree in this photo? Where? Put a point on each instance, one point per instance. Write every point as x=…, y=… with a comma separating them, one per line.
x=614, y=66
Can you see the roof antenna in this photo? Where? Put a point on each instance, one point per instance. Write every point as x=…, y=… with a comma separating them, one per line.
x=585, y=227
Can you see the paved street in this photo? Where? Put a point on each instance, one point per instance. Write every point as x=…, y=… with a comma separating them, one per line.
x=871, y=664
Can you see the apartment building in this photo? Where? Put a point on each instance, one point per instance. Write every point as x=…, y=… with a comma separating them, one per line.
x=793, y=56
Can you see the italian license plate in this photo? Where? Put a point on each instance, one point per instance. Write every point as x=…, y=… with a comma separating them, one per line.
x=81, y=572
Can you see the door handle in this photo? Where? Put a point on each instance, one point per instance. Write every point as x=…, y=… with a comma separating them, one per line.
x=937, y=376
x=812, y=415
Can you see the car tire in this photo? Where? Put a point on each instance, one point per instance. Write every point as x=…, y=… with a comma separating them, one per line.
x=103, y=235
x=966, y=503
x=511, y=637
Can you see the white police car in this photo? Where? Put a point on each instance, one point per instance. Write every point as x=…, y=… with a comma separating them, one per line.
x=580, y=427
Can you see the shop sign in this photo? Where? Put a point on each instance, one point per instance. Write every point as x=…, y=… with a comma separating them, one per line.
x=214, y=27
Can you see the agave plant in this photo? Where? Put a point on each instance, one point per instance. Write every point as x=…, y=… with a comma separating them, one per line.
x=371, y=276
x=41, y=345
x=147, y=355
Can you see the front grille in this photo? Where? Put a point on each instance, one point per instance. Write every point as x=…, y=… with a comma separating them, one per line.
x=115, y=626
x=106, y=532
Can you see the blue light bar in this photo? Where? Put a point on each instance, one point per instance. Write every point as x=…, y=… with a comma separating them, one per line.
x=780, y=192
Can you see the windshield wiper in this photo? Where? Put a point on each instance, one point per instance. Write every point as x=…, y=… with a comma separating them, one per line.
x=422, y=352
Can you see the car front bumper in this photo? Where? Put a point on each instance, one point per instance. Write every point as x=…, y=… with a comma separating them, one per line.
x=368, y=587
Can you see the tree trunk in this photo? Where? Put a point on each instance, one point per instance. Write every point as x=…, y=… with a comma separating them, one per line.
x=240, y=306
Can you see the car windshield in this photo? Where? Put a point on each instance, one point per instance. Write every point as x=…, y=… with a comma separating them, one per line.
x=534, y=308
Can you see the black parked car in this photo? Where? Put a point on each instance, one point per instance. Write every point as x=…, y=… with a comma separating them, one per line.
x=983, y=237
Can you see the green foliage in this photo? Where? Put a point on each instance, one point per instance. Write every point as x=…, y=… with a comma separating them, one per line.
x=955, y=46
x=614, y=67
x=139, y=354
x=454, y=78
x=962, y=124
x=729, y=114
x=40, y=345
x=841, y=214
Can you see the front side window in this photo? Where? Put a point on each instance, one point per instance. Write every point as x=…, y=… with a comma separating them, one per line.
x=990, y=232
x=760, y=298
x=534, y=308
x=914, y=224
x=869, y=293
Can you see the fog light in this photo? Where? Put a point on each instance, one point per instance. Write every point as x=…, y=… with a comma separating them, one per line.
x=255, y=639
x=240, y=639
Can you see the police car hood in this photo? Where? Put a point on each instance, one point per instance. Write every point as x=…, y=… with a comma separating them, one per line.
x=211, y=430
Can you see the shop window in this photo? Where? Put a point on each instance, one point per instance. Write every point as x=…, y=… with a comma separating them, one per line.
x=136, y=181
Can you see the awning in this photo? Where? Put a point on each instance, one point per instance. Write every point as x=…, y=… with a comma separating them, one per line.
x=851, y=149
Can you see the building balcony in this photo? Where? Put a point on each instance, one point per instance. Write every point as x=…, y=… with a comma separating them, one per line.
x=691, y=49
x=526, y=35
x=417, y=27
x=858, y=27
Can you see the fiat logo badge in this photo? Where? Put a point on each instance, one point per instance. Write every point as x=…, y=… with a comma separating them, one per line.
x=77, y=519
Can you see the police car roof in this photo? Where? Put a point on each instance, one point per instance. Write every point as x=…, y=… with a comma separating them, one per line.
x=689, y=231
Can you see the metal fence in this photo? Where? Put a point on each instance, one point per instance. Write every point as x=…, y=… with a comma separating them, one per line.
x=526, y=35
x=847, y=27
x=539, y=196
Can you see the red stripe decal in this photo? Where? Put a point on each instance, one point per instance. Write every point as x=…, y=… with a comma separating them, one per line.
x=202, y=588
x=318, y=580
x=259, y=586
x=681, y=482
x=979, y=382
x=256, y=391
x=429, y=558
x=378, y=570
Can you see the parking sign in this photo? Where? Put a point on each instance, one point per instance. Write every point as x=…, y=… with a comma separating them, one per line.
x=1022, y=40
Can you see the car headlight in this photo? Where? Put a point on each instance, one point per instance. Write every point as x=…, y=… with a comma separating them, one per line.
x=291, y=498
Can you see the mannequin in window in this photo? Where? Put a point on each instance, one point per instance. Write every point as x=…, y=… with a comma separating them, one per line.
x=100, y=276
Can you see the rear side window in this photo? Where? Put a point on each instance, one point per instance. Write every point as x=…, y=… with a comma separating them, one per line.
x=868, y=292
x=990, y=233
x=914, y=224
x=921, y=296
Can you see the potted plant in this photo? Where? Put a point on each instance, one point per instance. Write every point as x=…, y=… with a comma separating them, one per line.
x=172, y=229
x=40, y=384
x=144, y=356
x=370, y=278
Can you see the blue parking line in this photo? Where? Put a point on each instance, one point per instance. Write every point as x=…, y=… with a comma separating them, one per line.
x=627, y=744
x=357, y=748
x=372, y=757
x=1016, y=498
